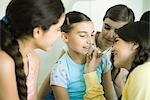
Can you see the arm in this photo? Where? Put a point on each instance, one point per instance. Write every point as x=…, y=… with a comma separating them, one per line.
x=119, y=81
x=60, y=93
x=94, y=90
x=59, y=81
x=108, y=86
x=8, y=85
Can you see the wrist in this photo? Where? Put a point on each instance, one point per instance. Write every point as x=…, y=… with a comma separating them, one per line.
x=90, y=70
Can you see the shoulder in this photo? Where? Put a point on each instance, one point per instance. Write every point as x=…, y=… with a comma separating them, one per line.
x=5, y=59
x=7, y=64
x=141, y=70
x=36, y=58
x=140, y=75
x=60, y=66
x=61, y=62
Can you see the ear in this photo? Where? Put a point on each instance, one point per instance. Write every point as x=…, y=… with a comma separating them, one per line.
x=37, y=32
x=135, y=45
x=64, y=36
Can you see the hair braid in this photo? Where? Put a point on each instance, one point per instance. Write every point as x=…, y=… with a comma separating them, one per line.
x=11, y=46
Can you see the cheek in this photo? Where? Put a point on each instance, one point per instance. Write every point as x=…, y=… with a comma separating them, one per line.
x=121, y=58
x=104, y=32
x=72, y=42
x=51, y=37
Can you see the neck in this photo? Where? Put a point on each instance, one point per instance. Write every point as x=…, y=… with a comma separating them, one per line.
x=129, y=63
x=76, y=57
x=26, y=46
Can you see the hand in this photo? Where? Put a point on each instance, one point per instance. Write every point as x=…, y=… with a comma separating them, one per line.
x=92, y=61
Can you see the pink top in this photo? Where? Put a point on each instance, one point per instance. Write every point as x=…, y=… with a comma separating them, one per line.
x=31, y=79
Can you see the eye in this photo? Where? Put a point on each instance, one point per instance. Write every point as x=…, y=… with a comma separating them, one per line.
x=116, y=40
x=107, y=27
x=82, y=35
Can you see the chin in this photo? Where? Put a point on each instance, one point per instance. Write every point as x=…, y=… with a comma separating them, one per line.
x=117, y=65
x=47, y=49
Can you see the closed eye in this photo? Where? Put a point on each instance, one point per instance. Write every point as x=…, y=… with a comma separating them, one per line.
x=107, y=28
x=116, y=39
x=82, y=35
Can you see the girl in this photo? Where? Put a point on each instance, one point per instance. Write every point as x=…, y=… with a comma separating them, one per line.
x=27, y=25
x=132, y=51
x=67, y=80
x=114, y=18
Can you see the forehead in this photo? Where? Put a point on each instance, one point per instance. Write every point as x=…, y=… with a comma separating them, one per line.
x=114, y=24
x=85, y=26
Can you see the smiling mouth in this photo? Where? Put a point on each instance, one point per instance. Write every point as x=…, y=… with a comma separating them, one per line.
x=109, y=40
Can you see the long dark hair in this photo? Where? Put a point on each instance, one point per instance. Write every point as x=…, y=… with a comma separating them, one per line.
x=120, y=12
x=22, y=16
x=145, y=17
x=71, y=18
x=138, y=32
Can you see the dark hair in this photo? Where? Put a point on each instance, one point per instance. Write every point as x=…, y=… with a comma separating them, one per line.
x=22, y=16
x=138, y=32
x=71, y=18
x=145, y=17
x=120, y=12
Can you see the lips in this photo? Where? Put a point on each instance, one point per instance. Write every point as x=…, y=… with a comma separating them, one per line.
x=86, y=48
x=109, y=40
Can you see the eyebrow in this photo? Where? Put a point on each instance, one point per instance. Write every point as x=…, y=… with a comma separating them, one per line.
x=84, y=31
x=110, y=26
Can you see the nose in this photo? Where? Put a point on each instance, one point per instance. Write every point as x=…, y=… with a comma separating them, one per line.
x=111, y=33
x=90, y=40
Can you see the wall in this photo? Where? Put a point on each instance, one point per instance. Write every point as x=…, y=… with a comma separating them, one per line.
x=97, y=8
x=146, y=5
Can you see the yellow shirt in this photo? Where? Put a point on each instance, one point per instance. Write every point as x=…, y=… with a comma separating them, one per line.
x=138, y=84
x=94, y=90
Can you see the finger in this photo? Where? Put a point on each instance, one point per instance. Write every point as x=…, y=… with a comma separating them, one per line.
x=94, y=56
x=87, y=58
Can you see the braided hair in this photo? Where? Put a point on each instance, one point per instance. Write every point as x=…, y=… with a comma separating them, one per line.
x=22, y=16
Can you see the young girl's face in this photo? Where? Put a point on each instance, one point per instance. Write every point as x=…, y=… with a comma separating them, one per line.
x=48, y=37
x=124, y=53
x=106, y=38
x=80, y=38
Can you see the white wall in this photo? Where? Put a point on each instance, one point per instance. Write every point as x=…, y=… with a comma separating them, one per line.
x=3, y=4
x=95, y=9
x=146, y=5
